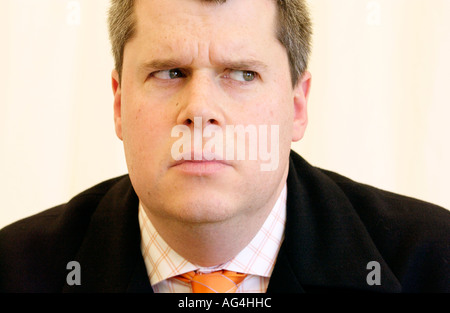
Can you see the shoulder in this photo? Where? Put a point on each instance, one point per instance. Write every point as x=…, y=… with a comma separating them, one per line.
x=33, y=247
x=391, y=210
x=411, y=234
x=54, y=220
x=370, y=201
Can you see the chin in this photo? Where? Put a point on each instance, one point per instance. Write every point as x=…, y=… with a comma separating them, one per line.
x=202, y=208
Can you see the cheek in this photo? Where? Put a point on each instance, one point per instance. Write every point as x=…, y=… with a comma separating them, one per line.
x=280, y=115
x=275, y=111
x=145, y=133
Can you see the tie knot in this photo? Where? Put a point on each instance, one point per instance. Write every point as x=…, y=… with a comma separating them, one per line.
x=215, y=282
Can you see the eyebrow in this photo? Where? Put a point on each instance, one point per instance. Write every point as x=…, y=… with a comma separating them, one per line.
x=160, y=64
x=245, y=65
x=165, y=64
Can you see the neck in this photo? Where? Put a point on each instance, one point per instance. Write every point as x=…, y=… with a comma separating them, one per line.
x=212, y=244
x=209, y=244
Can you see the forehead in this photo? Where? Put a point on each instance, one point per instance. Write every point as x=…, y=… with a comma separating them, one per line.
x=183, y=25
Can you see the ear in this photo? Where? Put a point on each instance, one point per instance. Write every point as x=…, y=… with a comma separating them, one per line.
x=301, y=94
x=117, y=103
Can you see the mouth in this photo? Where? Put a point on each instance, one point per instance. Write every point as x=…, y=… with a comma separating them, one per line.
x=199, y=165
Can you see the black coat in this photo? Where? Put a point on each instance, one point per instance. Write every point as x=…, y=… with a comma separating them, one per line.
x=334, y=228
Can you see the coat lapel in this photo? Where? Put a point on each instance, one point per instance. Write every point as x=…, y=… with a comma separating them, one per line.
x=326, y=245
x=284, y=279
x=110, y=255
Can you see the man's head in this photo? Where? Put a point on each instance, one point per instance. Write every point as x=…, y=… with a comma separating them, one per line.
x=293, y=30
x=185, y=61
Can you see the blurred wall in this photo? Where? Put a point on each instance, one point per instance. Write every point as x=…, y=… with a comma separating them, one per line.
x=378, y=108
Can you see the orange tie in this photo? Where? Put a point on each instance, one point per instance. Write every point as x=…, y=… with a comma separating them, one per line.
x=216, y=282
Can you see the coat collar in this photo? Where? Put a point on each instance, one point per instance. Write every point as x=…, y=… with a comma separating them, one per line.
x=326, y=247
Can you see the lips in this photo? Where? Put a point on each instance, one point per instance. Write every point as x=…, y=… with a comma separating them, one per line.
x=200, y=164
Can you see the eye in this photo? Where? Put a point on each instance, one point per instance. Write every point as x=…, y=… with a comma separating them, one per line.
x=243, y=76
x=169, y=74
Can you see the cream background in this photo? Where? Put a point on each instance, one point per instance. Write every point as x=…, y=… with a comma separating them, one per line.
x=378, y=109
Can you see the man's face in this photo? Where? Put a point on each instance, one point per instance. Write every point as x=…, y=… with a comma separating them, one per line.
x=221, y=63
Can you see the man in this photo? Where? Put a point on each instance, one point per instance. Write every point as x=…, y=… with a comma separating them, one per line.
x=195, y=207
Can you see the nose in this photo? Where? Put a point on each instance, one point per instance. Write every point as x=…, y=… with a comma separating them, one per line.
x=200, y=99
